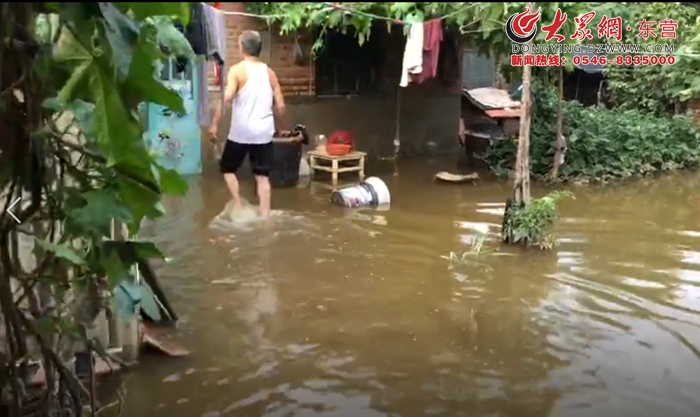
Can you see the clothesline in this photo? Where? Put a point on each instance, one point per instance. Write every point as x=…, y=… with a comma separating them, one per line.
x=335, y=6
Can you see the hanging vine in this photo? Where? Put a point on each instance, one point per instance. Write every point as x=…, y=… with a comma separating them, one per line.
x=481, y=22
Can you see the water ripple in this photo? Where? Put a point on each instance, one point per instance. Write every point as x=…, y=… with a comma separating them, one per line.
x=324, y=311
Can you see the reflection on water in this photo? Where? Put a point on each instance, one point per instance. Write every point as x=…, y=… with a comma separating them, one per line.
x=334, y=312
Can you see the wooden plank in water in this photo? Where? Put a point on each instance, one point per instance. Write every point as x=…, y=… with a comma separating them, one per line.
x=456, y=178
x=157, y=338
x=149, y=275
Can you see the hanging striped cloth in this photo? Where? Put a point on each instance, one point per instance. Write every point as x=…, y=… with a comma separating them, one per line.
x=217, y=69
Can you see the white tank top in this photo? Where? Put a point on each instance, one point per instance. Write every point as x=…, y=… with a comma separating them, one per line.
x=252, y=120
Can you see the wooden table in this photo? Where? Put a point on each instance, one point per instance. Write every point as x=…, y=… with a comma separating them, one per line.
x=358, y=157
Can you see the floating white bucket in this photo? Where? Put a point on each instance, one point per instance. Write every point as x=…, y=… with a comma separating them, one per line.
x=371, y=192
x=304, y=168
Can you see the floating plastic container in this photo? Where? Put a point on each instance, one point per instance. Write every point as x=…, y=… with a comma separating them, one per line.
x=371, y=192
x=304, y=168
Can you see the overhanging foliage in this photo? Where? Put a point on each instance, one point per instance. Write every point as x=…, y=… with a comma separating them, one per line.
x=660, y=89
x=73, y=77
x=482, y=22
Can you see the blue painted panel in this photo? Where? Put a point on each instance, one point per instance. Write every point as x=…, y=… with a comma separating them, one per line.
x=176, y=138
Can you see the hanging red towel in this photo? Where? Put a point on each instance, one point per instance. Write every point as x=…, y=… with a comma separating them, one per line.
x=217, y=75
x=432, y=37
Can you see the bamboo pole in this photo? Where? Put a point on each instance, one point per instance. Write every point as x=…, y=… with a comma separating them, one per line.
x=521, y=187
x=561, y=143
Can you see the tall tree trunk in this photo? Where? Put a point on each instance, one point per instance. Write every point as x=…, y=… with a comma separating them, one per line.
x=560, y=149
x=521, y=187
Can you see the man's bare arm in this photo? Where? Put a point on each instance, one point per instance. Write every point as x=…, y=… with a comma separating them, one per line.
x=229, y=94
x=277, y=91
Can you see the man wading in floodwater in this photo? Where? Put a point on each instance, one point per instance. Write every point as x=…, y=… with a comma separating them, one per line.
x=253, y=89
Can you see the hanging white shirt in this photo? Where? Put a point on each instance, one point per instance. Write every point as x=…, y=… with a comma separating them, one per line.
x=413, y=54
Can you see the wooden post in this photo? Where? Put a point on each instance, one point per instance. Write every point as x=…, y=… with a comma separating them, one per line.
x=561, y=143
x=362, y=168
x=334, y=173
x=521, y=187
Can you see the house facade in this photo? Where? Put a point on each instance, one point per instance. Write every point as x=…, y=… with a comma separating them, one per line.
x=356, y=88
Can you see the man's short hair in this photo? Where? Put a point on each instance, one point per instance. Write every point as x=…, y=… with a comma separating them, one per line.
x=251, y=43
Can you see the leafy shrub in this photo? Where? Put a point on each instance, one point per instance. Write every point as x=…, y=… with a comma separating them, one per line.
x=659, y=89
x=603, y=144
x=532, y=224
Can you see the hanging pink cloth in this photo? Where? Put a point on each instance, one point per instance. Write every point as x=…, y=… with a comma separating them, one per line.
x=432, y=37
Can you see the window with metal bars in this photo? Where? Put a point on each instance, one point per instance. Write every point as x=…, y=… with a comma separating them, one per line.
x=344, y=67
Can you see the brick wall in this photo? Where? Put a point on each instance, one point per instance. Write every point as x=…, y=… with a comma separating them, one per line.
x=277, y=52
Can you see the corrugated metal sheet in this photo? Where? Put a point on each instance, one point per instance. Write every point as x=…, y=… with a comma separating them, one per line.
x=477, y=70
x=490, y=98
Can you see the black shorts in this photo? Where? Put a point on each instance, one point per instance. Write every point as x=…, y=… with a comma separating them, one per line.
x=234, y=154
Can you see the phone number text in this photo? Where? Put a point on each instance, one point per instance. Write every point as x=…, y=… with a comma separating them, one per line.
x=554, y=60
x=624, y=60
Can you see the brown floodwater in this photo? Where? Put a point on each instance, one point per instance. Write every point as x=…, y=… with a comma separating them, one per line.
x=335, y=312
